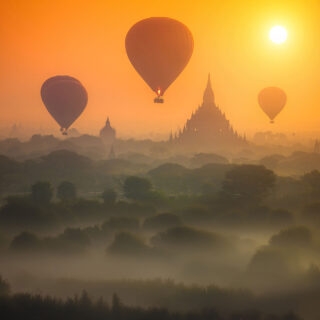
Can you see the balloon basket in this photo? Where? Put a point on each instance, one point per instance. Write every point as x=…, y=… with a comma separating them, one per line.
x=158, y=100
x=271, y=121
x=64, y=131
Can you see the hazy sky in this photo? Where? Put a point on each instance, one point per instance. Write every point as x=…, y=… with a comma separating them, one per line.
x=85, y=39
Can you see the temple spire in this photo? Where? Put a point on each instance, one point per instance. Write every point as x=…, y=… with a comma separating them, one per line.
x=107, y=133
x=208, y=96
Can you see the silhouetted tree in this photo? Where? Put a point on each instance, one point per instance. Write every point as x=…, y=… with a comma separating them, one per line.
x=23, y=214
x=42, y=192
x=27, y=306
x=74, y=240
x=187, y=238
x=88, y=209
x=269, y=262
x=66, y=191
x=116, y=304
x=312, y=180
x=126, y=243
x=281, y=217
x=248, y=183
x=298, y=236
x=85, y=301
x=4, y=287
x=137, y=188
x=25, y=242
x=109, y=197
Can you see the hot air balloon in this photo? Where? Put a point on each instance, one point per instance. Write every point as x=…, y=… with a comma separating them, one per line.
x=65, y=98
x=272, y=100
x=159, y=49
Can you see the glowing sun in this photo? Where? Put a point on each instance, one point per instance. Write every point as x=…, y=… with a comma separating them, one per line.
x=278, y=34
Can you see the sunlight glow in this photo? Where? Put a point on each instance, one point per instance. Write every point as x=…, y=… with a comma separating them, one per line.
x=278, y=34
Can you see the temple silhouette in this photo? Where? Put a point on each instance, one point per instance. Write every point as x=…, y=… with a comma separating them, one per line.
x=108, y=137
x=108, y=133
x=208, y=128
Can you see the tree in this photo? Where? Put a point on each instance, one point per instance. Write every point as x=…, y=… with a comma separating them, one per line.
x=185, y=238
x=25, y=242
x=74, y=240
x=4, y=287
x=128, y=244
x=312, y=180
x=85, y=301
x=20, y=213
x=66, y=191
x=109, y=197
x=116, y=304
x=42, y=193
x=298, y=236
x=248, y=183
x=137, y=188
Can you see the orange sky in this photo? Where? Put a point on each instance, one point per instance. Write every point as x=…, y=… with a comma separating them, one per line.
x=85, y=39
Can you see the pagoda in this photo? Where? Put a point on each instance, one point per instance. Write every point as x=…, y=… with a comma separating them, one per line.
x=208, y=128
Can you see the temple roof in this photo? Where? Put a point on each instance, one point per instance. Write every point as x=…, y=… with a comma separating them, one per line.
x=208, y=96
x=208, y=126
x=107, y=130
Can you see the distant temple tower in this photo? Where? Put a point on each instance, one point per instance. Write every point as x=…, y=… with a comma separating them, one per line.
x=107, y=133
x=208, y=128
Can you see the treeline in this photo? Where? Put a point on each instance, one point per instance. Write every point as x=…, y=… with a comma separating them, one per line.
x=27, y=306
x=249, y=196
x=40, y=211
x=57, y=166
x=94, y=176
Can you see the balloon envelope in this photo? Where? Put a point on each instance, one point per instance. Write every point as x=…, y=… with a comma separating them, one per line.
x=272, y=100
x=65, y=98
x=159, y=49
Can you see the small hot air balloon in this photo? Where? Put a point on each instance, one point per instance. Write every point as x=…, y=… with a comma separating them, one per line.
x=159, y=49
x=65, y=98
x=272, y=100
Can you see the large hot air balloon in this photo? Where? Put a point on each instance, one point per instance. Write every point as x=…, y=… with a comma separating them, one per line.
x=65, y=98
x=272, y=100
x=159, y=49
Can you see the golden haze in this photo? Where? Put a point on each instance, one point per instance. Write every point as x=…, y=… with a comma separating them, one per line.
x=85, y=39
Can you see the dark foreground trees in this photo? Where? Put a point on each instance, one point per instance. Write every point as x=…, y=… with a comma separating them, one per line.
x=42, y=192
x=66, y=191
x=109, y=197
x=4, y=288
x=26, y=306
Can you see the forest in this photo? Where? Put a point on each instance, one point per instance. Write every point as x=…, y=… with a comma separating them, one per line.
x=218, y=240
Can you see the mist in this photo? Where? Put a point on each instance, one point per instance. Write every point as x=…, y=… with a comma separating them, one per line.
x=159, y=161
x=226, y=233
